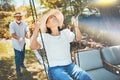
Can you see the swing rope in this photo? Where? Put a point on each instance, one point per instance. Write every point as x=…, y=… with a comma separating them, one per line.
x=76, y=44
x=34, y=15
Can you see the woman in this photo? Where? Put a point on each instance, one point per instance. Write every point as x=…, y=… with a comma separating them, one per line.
x=57, y=45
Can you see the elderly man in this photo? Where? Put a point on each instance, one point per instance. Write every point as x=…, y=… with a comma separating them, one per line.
x=19, y=30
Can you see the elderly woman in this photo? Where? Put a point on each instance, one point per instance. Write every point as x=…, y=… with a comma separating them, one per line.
x=57, y=45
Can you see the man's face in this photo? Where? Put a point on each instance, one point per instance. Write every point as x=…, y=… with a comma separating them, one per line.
x=18, y=18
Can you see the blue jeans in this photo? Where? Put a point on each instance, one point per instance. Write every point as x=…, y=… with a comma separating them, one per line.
x=19, y=59
x=69, y=72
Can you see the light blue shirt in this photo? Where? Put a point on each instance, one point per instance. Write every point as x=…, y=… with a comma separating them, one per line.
x=20, y=31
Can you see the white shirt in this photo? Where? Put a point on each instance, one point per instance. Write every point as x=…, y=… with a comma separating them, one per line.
x=20, y=31
x=58, y=47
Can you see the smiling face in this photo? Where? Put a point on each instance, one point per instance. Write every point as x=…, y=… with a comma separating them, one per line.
x=18, y=19
x=52, y=21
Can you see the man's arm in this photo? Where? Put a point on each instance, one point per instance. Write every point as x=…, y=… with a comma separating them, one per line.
x=27, y=34
x=13, y=34
x=17, y=37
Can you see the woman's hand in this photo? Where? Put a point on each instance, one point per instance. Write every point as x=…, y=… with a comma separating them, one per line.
x=37, y=24
x=33, y=40
x=40, y=25
x=77, y=30
x=74, y=21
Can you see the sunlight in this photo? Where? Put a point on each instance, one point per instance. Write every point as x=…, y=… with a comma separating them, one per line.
x=105, y=3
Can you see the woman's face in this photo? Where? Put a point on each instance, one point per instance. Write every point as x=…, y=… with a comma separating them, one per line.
x=52, y=21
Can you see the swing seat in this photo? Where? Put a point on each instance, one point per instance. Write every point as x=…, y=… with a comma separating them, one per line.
x=111, y=58
x=91, y=62
x=40, y=59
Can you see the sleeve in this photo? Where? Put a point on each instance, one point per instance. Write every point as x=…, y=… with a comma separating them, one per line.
x=40, y=41
x=11, y=28
x=69, y=35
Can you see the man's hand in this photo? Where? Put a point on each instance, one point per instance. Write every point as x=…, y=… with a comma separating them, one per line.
x=21, y=39
x=27, y=35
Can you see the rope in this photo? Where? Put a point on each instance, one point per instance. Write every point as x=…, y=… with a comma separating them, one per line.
x=32, y=10
x=76, y=44
x=34, y=14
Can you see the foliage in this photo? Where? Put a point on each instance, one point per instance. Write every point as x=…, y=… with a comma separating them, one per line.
x=4, y=33
x=25, y=10
x=5, y=19
x=4, y=14
x=52, y=3
x=5, y=5
x=68, y=7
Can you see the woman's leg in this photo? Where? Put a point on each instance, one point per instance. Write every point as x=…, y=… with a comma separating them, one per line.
x=77, y=73
x=58, y=73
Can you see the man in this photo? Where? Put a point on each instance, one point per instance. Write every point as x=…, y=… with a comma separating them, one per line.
x=19, y=30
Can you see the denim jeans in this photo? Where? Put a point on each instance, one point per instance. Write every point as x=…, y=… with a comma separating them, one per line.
x=19, y=59
x=69, y=72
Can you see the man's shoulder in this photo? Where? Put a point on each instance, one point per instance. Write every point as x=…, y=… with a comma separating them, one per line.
x=12, y=24
x=23, y=22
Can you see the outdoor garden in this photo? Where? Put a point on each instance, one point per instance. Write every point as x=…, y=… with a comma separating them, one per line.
x=100, y=25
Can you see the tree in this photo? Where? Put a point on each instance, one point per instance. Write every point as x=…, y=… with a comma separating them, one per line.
x=68, y=7
x=5, y=5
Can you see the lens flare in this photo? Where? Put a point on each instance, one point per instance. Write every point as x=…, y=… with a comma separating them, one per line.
x=105, y=3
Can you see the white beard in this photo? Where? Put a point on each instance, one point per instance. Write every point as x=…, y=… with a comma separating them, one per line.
x=18, y=21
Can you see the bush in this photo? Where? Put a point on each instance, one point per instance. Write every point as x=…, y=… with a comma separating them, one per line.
x=4, y=14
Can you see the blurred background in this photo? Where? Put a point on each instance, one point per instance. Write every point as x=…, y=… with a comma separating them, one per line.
x=99, y=22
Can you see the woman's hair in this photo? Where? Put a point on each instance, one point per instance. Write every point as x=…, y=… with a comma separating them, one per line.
x=49, y=30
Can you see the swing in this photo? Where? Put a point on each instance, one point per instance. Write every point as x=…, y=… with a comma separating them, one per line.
x=41, y=54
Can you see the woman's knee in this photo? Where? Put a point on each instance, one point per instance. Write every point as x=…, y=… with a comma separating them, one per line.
x=58, y=74
x=79, y=74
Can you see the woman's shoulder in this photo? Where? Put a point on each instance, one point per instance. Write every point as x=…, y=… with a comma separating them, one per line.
x=66, y=30
x=43, y=35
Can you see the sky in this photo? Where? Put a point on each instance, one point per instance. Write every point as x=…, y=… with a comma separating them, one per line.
x=19, y=3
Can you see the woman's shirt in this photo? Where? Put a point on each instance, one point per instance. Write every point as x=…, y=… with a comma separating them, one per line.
x=58, y=47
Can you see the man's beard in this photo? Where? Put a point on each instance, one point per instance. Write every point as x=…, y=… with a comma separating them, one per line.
x=18, y=21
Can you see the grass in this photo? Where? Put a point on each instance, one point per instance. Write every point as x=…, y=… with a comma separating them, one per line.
x=6, y=49
x=34, y=70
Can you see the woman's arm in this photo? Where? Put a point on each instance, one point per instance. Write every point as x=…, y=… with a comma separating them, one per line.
x=33, y=40
x=78, y=33
x=77, y=30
